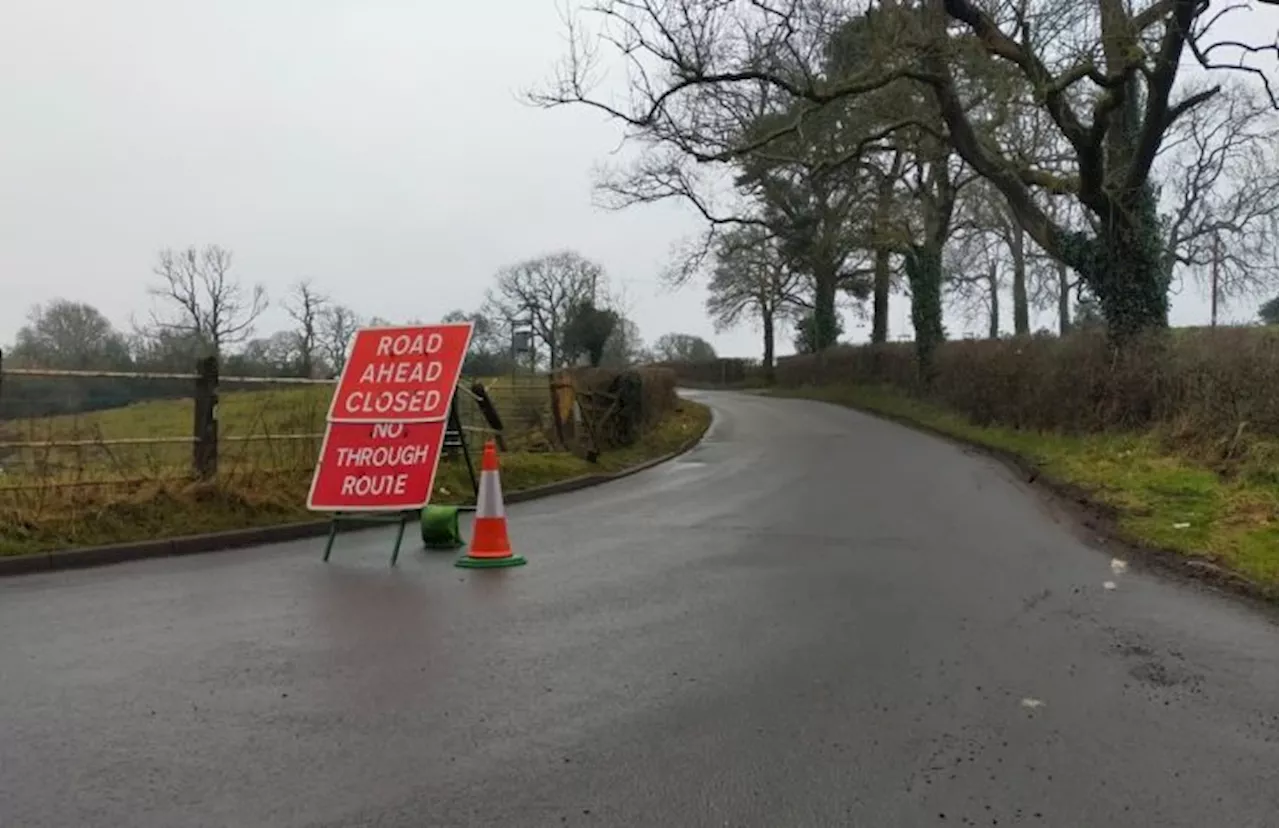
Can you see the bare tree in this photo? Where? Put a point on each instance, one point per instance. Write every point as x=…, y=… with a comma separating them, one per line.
x=751, y=279
x=1052, y=284
x=918, y=179
x=1125, y=75
x=682, y=347
x=337, y=324
x=991, y=254
x=271, y=356
x=975, y=268
x=768, y=85
x=809, y=191
x=69, y=335
x=305, y=305
x=202, y=300
x=1103, y=74
x=1220, y=184
x=543, y=291
x=991, y=231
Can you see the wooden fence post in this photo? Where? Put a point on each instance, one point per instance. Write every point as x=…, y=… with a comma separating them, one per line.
x=204, y=455
x=554, y=381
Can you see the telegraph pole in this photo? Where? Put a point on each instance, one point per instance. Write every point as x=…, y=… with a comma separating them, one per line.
x=1213, y=283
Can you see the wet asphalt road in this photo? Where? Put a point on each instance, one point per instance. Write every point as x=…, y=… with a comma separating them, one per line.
x=814, y=619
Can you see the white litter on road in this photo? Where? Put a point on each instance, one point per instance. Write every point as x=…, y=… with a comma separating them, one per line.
x=1108, y=584
x=1032, y=703
x=1118, y=566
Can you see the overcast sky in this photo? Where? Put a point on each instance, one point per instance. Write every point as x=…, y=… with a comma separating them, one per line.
x=374, y=146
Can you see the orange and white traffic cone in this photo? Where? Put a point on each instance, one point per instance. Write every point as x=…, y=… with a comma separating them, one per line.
x=490, y=546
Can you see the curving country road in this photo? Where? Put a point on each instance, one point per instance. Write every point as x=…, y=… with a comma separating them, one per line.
x=815, y=618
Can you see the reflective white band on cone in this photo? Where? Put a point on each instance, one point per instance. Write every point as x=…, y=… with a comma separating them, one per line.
x=490, y=504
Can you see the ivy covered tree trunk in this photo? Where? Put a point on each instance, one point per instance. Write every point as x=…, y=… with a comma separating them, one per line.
x=880, y=297
x=923, y=261
x=924, y=274
x=826, y=330
x=1124, y=269
x=1064, y=300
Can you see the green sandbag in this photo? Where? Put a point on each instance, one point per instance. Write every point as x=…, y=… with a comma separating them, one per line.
x=440, y=528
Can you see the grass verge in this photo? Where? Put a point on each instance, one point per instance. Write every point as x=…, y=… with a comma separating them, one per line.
x=94, y=516
x=1155, y=496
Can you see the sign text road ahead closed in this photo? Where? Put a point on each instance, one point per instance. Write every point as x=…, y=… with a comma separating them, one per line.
x=403, y=374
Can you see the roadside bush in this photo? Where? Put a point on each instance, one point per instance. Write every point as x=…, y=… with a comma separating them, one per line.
x=1211, y=385
x=621, y=405
x=727, y=371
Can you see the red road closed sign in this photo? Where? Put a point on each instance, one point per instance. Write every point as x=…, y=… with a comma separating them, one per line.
x=386, y=421
x=403, y=374
x=378, y=467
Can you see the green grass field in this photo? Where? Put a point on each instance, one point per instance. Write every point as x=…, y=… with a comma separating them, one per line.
x=153, y=438
x=105, y=492
x=273, y=429
x=1162, y=499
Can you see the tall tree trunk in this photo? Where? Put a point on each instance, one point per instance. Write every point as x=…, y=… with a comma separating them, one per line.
x=880, y=298
x=1064, y=299
x=924, y=264
x=1021, y=309
x=1124, y=268
x=880, y=295
x=766, y=318
x=553, y=346
x=825, y=331
x=924, y=273
x=993, y=289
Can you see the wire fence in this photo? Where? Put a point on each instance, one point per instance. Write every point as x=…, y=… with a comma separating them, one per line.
x=64, y=429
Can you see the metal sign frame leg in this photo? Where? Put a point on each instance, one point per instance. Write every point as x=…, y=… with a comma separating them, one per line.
x=455, y=424
x=395, y=553
x=401, y=520
x=333, y=533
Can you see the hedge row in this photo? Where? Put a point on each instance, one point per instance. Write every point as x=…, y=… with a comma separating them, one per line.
x=1211, y=382
x=724, y=371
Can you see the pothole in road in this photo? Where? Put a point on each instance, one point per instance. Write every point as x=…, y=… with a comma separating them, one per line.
x=1161, y=674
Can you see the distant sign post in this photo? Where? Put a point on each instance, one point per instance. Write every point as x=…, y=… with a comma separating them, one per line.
x=387, y=422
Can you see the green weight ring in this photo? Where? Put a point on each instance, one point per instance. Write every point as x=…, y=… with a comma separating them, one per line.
x=440, y=528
